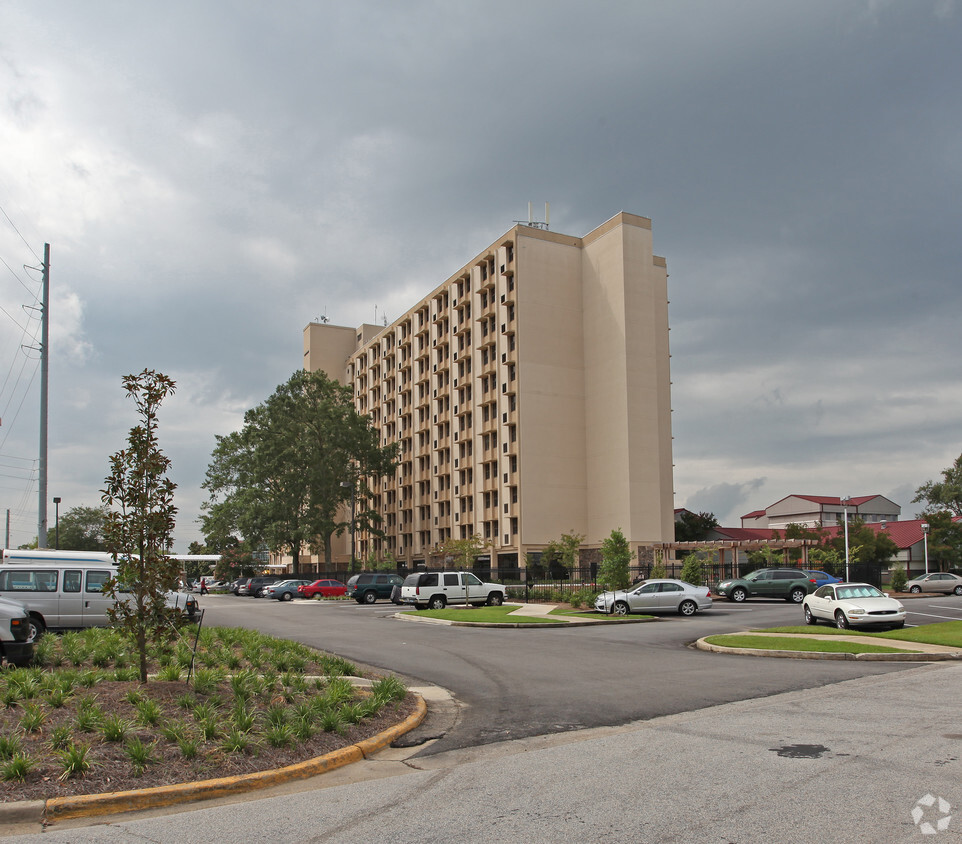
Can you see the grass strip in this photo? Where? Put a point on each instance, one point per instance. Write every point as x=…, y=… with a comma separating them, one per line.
x=773, y=643
x=479, y=615
x=948, y=633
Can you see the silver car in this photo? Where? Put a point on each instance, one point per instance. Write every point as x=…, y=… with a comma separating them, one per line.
x=940, y=581
x=662, y=595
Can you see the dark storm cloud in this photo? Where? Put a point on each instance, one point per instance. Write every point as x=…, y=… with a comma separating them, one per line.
x=213, y=177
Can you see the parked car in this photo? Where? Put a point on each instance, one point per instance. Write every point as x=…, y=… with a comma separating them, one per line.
x=940, y=581
x=64, y=590
x=16, y=642
x=326, y=588
x=790, y=584
x=852, y=605
x=254, y=585
x=437, y=589
x=661, y=595
x=284, y=590
x=236, y=585
x=822, y=577
x=367, y=587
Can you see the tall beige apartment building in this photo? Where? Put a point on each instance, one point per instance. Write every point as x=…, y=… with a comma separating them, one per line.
x=529, y=393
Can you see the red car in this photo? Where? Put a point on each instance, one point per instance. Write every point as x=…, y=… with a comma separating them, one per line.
x=327, y=588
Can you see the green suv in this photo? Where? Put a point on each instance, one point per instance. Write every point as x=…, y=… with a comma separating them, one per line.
x=367, y=587
x=791, y=584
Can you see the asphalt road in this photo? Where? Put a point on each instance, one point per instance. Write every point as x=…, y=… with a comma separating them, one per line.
x=521, y=682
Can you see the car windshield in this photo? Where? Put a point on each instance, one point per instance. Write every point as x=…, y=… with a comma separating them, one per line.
x=859, y=591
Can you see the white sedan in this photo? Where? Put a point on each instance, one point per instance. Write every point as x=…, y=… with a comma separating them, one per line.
x=852, y=605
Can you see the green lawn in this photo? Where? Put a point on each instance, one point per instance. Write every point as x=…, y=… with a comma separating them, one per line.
x=488, y=615
x=948, y=633
x=773, y=643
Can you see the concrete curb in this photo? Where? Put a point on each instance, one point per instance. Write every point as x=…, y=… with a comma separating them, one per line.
x=89, y=805
x=701, y=644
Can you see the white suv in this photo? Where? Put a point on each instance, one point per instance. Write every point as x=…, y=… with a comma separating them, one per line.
x=437, y=589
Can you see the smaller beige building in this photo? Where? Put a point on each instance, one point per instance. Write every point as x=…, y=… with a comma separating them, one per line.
x=825, y=510
x=529, y=394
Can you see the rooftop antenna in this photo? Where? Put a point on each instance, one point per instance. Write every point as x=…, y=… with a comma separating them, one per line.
x=322, y=318
x=534, y=223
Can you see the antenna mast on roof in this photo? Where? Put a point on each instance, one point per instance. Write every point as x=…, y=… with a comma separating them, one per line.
x=534, y=223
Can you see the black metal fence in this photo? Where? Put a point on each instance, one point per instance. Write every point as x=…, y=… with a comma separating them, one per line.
x=535, y=585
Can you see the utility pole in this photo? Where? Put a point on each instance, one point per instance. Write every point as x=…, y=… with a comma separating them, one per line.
x=44, y=386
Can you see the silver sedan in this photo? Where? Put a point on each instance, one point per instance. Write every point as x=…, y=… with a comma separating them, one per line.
x=940, y=581
x=662, y=595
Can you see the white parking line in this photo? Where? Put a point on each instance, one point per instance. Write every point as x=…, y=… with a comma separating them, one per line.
x=932, y=615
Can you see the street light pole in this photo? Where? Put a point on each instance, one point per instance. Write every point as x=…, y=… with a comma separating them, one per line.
x=925, y=544
x=56, y=510
x=845, y=502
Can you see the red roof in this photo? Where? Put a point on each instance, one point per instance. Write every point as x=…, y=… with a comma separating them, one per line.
x=744, y=533
x=903, y=534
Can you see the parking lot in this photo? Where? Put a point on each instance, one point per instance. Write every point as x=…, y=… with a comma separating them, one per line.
x=525, y=682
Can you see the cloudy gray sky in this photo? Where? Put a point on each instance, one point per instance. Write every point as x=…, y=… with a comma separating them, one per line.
x=212, y=176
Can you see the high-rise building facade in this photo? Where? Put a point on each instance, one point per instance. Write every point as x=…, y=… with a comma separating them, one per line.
x=529, y=395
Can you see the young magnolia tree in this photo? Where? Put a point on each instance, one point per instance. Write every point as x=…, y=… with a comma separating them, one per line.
x=139, y=522
x=616, y=555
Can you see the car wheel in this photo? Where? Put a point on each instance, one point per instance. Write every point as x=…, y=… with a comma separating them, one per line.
x=437, y=603
x=37, y=629
x=958, y=590
x=370, y=597
x=915, y=590
x=809, y=618
x=841, y=622
x=620, y=608
x=688, y=608
x=797, y=596
x=495, y=599
x=287, y=596
x=739, y=595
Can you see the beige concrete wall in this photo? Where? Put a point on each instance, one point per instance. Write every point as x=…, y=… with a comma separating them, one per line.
x=627, y=395
x=327, y=347
x=551, y=396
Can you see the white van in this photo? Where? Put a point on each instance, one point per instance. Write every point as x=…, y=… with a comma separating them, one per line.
x=62, y=590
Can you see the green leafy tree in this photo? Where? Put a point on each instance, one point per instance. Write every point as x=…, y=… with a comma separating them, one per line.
x=616, y=556
x=942, y=495
x=694, y=527
x=237, y=560
x=828, y=560
x=693, y=570
x=865, y=545
x=899, y=578
x=138, y=526
x=797, y=531
x=945, y=540
x=562, y=553
x=462, y=552
x=82, y=529
x=658, y=568
x=286, y=477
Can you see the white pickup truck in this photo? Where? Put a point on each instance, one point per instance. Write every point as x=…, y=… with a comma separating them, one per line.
x=436, y=589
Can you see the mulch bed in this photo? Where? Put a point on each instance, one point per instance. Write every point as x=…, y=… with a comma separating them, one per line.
x=112, y=769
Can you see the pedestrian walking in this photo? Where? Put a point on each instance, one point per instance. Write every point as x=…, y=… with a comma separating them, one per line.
x=203, y=586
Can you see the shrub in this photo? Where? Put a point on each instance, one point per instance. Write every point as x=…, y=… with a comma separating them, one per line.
x=899, y=578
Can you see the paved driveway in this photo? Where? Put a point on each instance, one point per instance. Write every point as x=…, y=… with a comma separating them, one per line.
x=520, y=682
